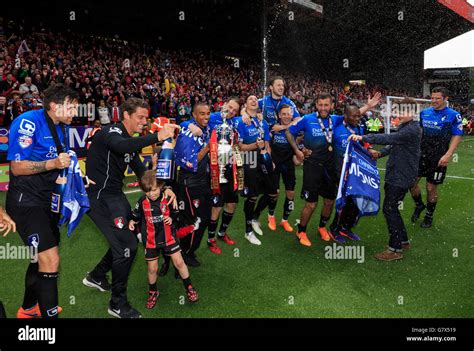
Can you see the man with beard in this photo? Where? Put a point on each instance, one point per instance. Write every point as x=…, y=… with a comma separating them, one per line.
x=320, y=176
x=270, y=104
x=37, y=151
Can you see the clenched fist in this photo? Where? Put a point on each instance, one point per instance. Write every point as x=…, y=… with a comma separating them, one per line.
x=63, y=161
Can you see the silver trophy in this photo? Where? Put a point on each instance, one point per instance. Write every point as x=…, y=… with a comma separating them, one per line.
x=224, y=147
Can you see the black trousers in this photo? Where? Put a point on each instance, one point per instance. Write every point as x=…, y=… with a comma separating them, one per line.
x=111, y=215
x=196, y=202
x=396, y=227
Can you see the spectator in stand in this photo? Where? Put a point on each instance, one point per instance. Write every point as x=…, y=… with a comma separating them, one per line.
x=115, y=112
x=14, y=109
x=104, y=114
x=3, y=110
x=28, y=88
x=8, y=85
x=40, y=83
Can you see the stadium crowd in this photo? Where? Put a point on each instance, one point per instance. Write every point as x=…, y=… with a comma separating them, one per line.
x=107, y=71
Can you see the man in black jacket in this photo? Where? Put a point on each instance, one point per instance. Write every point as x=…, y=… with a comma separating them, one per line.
x=402, y=169
x=112, y=150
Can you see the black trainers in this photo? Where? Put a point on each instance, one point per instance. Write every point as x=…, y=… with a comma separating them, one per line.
x=164, y=268
x=427, y=222
x=126, y=311
x=101, y=284
x=191, y=261
x=417, y=212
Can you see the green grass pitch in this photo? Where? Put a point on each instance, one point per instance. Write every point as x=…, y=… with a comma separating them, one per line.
x=281, y=278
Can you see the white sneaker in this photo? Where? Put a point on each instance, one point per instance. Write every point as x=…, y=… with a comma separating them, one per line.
x=252, y=238
x=256, y=227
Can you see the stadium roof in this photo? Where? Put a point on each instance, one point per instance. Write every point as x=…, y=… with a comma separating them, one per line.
x=455, y=53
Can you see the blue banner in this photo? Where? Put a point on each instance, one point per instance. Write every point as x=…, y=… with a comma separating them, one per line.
x=360, y=180
x=74, y=202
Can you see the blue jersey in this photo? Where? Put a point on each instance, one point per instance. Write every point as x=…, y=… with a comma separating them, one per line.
x=314, y=138
x=270, y=108
x=186, y=150
x=248, y=134
x=30, y=139
x=216, y=120
x=438, y=128
x=341, y=133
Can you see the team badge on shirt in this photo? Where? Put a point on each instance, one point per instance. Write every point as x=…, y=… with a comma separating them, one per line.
x=196, y=203
x=119, y=222
x=25, y=141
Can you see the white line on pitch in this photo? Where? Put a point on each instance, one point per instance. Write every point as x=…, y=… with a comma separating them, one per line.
x=448, y=176
x=132, y=191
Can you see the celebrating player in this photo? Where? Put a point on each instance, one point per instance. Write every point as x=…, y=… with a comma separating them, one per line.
x=282, y=156
x=350, y=125
x=254, y=140
x=194, y=178
x=225, y=196
x=37, y=151
x=271, y=104
x=319, y=174
x=442, y=132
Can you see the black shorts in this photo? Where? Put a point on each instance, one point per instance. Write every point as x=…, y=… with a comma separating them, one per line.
x=37, y=226
x=227, y=195
x=287, y=172
x=319, y=179
x=256, y=182
x=152, y=254
x=429, y=168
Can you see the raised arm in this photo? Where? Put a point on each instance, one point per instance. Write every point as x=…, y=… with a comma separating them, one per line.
x=122, y=145
x=371, y=103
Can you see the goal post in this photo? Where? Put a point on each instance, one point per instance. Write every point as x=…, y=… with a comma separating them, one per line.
x=393, y=108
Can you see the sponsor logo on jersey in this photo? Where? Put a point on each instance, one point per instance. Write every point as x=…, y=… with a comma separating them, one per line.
x=27, y=127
